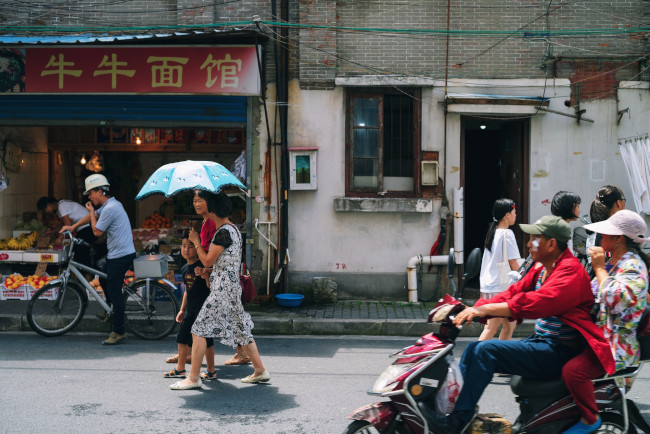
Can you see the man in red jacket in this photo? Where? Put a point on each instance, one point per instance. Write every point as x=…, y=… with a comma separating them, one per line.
x=557, y=293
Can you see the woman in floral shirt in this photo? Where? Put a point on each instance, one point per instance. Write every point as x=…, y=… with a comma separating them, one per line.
x=620, y=289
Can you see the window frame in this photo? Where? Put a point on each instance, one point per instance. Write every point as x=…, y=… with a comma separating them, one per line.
x=379, y=93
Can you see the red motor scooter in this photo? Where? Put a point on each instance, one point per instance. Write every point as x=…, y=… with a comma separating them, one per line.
x=413, y=380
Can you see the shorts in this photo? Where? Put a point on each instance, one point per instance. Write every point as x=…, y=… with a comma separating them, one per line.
x=184, y=335
x=488, y=295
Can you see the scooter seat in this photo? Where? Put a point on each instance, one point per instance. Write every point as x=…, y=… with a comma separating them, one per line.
x=521, y=386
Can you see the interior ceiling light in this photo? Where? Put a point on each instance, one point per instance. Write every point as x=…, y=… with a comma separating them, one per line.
x=83, y=159
x=483, y=126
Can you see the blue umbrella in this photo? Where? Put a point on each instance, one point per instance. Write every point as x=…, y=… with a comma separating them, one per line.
x=189, y=175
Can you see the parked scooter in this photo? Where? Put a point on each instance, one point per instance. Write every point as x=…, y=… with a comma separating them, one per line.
x=411, y=384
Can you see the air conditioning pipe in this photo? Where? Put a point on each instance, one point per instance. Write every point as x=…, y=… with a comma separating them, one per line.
x=411, y=272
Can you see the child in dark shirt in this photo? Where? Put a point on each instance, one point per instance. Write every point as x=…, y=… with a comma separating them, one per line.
x=196, y=291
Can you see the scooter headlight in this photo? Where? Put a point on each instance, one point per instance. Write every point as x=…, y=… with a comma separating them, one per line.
x=390, y=376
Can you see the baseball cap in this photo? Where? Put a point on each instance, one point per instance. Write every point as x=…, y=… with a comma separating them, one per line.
x=94, y=181
x=550, y=226
x=624, y=222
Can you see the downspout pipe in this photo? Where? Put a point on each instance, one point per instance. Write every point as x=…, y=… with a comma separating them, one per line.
x=412, y=275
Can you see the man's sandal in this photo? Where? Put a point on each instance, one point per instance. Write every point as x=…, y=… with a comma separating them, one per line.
x=174, y=359
x=207, y=375
x=238, y=359
x=174, y=373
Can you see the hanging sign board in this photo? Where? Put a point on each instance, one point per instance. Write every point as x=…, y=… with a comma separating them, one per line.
x=228, y=70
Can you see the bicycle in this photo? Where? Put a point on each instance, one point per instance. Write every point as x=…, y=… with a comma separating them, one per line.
x=57, y=308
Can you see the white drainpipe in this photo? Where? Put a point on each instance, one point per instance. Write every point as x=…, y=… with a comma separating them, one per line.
x=458, y=225
x=411, y=271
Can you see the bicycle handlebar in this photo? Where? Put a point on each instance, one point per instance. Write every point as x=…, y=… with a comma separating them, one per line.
x=74, y=241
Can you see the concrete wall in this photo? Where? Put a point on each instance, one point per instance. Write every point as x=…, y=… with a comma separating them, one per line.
x=367, y=252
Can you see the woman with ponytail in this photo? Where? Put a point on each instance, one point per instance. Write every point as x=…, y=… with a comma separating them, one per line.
x=504, y=215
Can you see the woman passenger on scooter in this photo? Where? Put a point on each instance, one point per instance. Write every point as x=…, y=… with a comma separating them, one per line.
x=620, y=289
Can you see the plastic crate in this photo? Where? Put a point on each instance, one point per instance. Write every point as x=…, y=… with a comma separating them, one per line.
x=20, y=293
x=50, y=294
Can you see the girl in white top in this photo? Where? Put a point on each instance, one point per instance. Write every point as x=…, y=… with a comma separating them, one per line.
x=504, y=215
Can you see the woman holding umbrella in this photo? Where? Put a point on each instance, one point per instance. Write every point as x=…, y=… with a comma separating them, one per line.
x=222, y=315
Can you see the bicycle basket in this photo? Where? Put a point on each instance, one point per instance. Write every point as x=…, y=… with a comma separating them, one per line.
x=580, y=241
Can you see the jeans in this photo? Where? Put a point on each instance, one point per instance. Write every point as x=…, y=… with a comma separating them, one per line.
x=115, y=270
x=533, y=357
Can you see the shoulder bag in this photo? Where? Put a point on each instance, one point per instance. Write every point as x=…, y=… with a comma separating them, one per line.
x=248, y=292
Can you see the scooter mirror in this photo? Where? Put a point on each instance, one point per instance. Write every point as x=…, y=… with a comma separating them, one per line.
x=451, y=264
x=473, y=264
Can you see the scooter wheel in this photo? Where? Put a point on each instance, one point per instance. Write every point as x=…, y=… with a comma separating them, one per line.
x=614, y=423
x=360, y=427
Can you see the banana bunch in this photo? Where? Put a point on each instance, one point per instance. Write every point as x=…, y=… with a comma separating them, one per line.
x=23, y=242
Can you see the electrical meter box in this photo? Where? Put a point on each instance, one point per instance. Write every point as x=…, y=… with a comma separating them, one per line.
x=429, y=173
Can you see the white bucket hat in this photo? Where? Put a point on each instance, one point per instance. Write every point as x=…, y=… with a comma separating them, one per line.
x=624, y=222
x=95, y=181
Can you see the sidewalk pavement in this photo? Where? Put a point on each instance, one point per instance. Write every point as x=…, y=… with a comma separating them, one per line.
x=348, y=317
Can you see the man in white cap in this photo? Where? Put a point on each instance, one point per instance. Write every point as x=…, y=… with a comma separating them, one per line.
x=106, y=214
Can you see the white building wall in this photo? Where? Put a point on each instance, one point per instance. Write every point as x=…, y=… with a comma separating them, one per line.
x=367, y=252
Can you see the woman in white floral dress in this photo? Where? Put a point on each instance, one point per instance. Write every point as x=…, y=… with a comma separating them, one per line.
x=222, y=315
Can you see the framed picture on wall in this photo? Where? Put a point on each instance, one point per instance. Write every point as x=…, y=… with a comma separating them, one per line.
x=179, y=136
x=150, y=135
x=166, y=135
x=134, y=133
x=118, y=135
x=302, y=168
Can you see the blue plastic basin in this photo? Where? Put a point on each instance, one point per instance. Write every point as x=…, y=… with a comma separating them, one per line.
x=289, y=300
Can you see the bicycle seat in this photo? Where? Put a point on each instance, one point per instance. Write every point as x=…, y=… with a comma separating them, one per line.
x=521, y=386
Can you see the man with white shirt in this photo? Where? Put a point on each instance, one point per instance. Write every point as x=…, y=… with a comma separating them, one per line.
x=70, y=212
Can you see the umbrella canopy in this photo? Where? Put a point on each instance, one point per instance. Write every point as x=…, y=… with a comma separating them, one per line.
x=189, y=175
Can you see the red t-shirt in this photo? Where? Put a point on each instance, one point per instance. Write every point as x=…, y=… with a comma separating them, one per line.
x=208, y=228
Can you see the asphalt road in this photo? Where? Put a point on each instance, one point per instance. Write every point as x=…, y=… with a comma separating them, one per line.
x=72, y=384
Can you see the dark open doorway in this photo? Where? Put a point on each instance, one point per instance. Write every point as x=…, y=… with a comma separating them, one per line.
x=494, y=155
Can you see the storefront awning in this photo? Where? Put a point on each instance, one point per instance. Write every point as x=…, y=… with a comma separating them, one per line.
x=123, y=110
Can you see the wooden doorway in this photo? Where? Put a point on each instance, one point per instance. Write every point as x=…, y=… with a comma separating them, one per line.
x=494, y=156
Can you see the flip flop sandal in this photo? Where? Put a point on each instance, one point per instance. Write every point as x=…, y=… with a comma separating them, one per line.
x=237, y=359
x=207, y=375
x=174, y=359
x=175, y=373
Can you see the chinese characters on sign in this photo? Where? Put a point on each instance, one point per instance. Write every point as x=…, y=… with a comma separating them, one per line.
x=171, y=69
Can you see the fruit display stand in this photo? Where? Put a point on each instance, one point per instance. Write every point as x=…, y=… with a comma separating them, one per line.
x=11, y=256
x=41, y=255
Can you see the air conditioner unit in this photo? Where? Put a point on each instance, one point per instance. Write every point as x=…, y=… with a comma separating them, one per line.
x=429, y=173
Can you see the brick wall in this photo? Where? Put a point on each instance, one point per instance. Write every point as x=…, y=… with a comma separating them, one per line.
x=471, y=55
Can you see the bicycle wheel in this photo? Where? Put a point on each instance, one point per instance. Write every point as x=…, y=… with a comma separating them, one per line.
x=152, y=314
x=56, y=308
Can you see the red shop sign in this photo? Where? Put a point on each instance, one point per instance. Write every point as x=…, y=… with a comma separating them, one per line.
x=231, y=70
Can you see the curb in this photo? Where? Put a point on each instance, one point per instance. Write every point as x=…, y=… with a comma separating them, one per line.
x=293, y=325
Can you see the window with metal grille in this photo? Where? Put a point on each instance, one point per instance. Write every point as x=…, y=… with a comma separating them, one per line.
x=383, y=143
